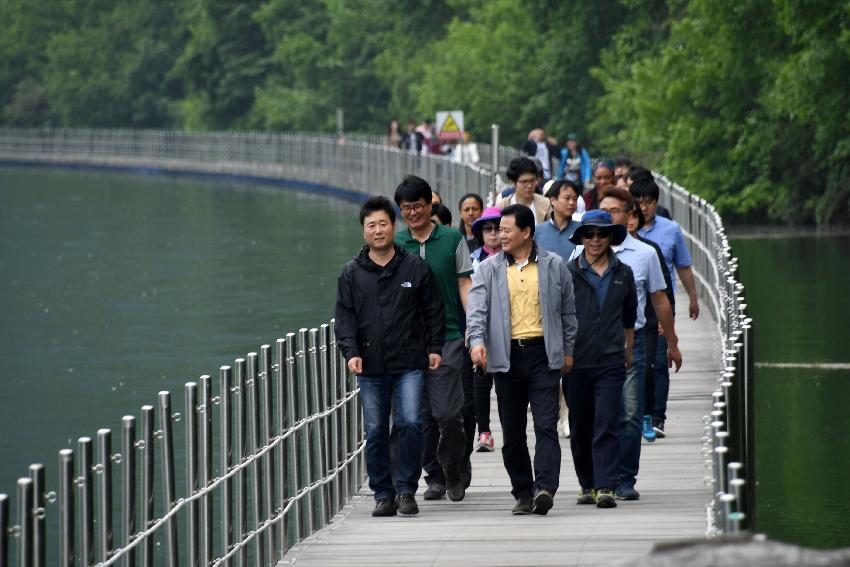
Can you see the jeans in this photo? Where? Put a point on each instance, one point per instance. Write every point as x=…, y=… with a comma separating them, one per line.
x=401, y=395
x=593, y=396
x=662, y=380
x=530, y=380
x=631, y=414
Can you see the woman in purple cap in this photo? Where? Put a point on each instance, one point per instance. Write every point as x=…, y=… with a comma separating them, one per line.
x=606, y=309
x=486, y=231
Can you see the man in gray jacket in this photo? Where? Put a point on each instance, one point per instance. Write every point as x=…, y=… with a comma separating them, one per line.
x=521, y=326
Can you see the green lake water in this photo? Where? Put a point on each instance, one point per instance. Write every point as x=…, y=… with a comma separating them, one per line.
x=115, y=287
x=797, y=293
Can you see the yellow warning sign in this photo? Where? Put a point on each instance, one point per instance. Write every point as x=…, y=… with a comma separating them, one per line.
x=450, y=125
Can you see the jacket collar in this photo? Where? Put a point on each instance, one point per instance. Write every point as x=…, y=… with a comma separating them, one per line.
x=533, y=256
x=366, y=262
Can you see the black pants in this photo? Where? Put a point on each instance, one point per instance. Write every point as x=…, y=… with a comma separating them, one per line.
x=530, y=381
x=593, y=396
x=442, y=420
x=468, y=414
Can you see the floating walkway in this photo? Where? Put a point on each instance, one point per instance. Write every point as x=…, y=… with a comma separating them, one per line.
x=481, y=530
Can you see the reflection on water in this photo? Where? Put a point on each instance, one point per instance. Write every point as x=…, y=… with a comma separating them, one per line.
x=115, y=287
x=796, y=289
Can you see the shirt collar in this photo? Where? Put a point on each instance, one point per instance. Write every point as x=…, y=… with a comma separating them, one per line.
x=627, y=244
x=435, y=234
x=531, y=257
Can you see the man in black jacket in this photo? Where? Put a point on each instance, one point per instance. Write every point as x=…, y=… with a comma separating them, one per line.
x=389, y=327
x=606, y=309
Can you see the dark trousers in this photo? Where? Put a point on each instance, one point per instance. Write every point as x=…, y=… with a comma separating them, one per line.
x=468, y=414
x=650, y=343
x=442, y=422
x=481, y=385
x=593, y=396
x=530, y=380
x=631, y=414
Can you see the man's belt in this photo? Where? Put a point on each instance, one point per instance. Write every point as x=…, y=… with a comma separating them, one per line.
x=527, y=342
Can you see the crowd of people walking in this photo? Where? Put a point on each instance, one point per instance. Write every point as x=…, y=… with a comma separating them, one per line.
x=559, y=295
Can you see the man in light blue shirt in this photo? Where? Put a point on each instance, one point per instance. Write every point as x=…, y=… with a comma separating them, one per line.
x=554, y=234
x=667, y=234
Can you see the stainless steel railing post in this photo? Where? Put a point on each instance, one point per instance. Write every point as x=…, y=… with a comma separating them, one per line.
x=104, y=493
x=66, y=508
x=169, y=497
x=256, y=471
x=267, y=487
x=39, y=528
x=128, y=485
x=305, y=476
x=205, y=465
x=280, y=450
x=146, y=492
x=330, y=360
x=85, y=497
x=225, y=459
x=293, y=518
x=4, y=530
x=25, y=535
x=316, y=433
x=241, y=505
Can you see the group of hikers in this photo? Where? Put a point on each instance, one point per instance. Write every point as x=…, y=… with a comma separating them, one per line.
x=560, y=297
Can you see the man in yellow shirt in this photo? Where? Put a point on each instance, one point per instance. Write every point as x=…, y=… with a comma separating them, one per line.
x=521, y=326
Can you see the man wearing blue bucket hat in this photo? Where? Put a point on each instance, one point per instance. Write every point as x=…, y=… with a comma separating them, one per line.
x=606, y=309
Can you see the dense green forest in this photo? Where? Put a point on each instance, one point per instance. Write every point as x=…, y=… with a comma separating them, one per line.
x=746, y=103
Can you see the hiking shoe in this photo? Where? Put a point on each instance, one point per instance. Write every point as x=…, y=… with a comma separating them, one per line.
x=454, y=483
x=658, y=427
x=435, y=491
x=543, y=501
x=586, y=496
x=626, y=491
x=385, y=507
x=523, y=506
x=648, y=431
x=605, y=498
x=485, y=443
x=407, y=505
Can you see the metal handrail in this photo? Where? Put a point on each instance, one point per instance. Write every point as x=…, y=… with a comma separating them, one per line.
x=728, y=440
x=296, y=440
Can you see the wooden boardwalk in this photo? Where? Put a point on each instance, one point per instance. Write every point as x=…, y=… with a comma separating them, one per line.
x=480, y=530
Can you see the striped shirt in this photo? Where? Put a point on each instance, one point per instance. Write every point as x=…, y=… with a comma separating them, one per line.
x=668, y=236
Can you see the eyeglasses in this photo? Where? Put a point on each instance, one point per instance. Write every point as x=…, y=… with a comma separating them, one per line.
x=489, y=228
x=591, y=234
x=414, y=208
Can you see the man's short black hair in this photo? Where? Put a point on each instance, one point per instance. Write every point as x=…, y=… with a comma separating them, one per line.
x=518, y=166
x=555, y=190
x=377, y=203
x=638, y=172
x=411, y=189
x=622, y=161
x=644, y=188
x=523, y=216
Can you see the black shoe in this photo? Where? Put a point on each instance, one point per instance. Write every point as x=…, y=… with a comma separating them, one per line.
x=523, y=506
x=454, y=483
x=605, y=498
x=407, y=505
x=586, y=496
x=385, y=507
x=658, y=427
x=543, y=501
x=435, y=491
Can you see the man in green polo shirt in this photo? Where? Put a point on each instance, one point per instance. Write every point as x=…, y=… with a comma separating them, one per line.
x=444, y=249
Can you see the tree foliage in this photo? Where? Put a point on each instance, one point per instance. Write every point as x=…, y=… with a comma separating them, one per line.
x=744, y=103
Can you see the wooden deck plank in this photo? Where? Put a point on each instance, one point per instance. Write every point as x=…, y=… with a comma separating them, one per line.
x=481, y=531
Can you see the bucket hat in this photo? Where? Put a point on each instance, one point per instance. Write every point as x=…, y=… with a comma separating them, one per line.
x=489, y=214
x=599, y=219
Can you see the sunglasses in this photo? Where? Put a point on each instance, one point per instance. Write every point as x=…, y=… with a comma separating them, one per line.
x=591, y=234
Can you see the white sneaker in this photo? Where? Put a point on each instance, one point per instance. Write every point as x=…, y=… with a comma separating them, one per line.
x=564, y=427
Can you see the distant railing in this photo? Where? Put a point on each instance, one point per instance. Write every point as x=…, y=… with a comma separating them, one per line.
x=728, y=442
x=286, y=450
